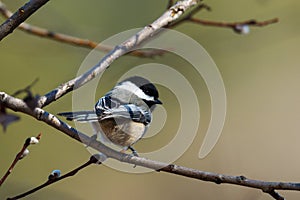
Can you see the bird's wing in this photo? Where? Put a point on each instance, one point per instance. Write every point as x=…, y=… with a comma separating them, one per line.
x=109, y=108
x=106, y=103
x=103, y=104
x=128, y=111
x=81, y=116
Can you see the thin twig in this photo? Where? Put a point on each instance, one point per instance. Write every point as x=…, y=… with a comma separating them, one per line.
x=20, y=16
x=94, y=159
x=251, y=22
x=275, y=195
x=27, y=89
x=42, y=32
x=38, y=113
x=18, y=157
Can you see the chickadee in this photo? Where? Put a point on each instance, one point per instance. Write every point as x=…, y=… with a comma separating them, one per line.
x=122, y=115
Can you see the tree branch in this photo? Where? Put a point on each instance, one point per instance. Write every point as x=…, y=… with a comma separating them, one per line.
x=20, y=16
x=172, y=14
x=40, y=114
x=147, y=32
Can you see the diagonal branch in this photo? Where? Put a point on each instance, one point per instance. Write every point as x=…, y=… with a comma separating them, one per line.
x=40, y=114
x=20, y=16
x=147, y=32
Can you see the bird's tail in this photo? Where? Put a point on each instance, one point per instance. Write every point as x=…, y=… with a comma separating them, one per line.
x=80, y=116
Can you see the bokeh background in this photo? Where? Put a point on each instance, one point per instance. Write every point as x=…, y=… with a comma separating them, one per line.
x=261, y=74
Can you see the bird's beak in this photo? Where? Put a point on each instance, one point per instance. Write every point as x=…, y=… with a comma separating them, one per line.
x=157, y=101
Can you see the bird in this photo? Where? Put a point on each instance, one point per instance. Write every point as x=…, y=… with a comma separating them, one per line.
x=123, y=115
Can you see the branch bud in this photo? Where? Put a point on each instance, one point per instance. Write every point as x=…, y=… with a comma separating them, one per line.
x=54, y=174
x=25, y=153
x=242, y=29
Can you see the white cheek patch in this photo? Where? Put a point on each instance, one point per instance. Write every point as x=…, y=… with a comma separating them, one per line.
x=129, y=86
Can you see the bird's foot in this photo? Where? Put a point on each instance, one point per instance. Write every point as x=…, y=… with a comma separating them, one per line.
x=134, y=152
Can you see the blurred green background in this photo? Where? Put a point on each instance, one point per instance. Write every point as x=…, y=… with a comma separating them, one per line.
x=261, y=74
